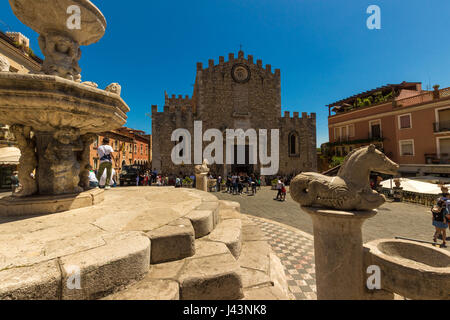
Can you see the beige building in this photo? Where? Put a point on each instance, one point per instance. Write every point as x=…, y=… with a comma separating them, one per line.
x=235, y=94
x=15, y=47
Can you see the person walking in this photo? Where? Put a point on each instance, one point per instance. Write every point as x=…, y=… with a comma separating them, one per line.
x=440, y=220
x=105, y=154
x=102, y=182
x=234, y=183
x=254, y=183
x=279, y=186
x=283, y=191
x=219, y=183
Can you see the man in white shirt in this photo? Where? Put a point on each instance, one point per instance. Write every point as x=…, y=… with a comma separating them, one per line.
x=105, y=154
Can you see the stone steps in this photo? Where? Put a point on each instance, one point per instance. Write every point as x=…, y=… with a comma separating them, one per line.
x=211, y=274
x=232, y=262
x=229, y=232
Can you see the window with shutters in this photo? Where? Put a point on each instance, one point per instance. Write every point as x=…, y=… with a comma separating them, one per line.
x=404, y=121
x=406, y=147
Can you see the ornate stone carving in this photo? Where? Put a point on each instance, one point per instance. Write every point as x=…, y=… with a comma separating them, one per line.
x=90, y=84
x=114, y=88
x=61, y=56
x=350, y=190
x=28, y=160
x=241, y=73
x=4, y=64
x=64, y=169
x=86, y=141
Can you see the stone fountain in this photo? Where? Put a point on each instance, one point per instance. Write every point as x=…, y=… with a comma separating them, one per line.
x=338, y=207
x=55, y=117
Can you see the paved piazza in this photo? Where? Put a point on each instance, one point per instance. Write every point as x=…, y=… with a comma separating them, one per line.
x=290, y=232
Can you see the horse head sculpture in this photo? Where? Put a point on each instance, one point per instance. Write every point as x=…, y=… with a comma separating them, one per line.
x=350, y=190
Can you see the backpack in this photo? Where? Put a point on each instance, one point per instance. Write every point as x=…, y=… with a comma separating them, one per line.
x=438, y=214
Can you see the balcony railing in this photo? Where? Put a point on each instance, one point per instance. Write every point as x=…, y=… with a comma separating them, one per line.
x=442, y=126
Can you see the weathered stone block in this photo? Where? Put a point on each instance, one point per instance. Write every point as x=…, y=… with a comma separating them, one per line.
x=202, y=221
x=41, y=205
x=149, y=289
x=124, y=258
x=172, y=242
x=229, y=233
x=37, y=282
x=211, y=278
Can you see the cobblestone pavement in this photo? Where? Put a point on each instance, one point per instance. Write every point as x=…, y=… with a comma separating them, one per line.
x=296, y=252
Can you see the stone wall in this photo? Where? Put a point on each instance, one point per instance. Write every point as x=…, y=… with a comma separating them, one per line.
x=234, y=94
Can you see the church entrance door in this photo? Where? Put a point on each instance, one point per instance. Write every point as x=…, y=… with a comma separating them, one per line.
x=245, y=168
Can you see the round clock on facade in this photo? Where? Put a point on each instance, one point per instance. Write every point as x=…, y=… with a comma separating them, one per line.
x=240, y=73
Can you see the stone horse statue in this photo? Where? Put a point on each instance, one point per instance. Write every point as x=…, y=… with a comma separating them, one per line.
x=350, y=190
x=203, y=168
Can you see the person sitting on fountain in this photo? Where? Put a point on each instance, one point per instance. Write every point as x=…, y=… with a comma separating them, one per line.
x=93, y=182
x=105, y=154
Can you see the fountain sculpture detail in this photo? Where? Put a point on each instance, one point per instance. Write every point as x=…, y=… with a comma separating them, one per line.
x=54, y=117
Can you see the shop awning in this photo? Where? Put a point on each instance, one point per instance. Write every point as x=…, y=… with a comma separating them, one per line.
x=9, y=156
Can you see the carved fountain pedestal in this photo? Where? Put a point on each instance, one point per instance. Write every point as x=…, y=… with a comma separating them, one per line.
x=201, y=176
x=338, y=207
x=53, y=116
x=338, y=252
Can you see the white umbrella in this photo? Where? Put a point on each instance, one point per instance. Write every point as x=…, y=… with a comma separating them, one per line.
x=414, y=186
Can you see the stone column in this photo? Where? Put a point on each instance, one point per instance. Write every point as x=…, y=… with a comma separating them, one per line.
x=201, y=182
x=338, y=250
x=58, y=170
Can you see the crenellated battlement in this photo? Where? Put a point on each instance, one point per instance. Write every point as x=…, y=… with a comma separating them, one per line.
x=182, y=111
x=296, y=116
x=179, y=100
x=233, y=59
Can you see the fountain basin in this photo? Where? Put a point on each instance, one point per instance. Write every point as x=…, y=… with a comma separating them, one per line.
x=47, y=102
x=410, y=269
x=45, y=16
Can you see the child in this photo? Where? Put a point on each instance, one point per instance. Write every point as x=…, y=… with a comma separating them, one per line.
x=283, y=191
x=440, y=220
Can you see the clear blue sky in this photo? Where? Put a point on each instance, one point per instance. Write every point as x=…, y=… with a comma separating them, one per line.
x=323, y=47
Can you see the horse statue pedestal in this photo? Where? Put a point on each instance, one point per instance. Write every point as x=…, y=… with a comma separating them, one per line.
x=338, y=252
x=201, y=181
x=338, y=207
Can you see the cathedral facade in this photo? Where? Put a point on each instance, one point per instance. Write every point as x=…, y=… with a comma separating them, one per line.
x=234, y=94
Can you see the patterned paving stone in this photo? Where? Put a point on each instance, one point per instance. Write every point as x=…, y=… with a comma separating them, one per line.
x=296, y=252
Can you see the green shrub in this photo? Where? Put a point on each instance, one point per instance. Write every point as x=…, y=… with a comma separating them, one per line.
x=336, y=161
x=187, y=180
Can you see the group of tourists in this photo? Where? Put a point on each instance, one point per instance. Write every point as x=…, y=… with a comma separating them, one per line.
x=235, y=184
x=441, y=218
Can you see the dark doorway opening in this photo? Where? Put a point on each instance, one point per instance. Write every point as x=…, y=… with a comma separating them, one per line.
x=246, y=167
